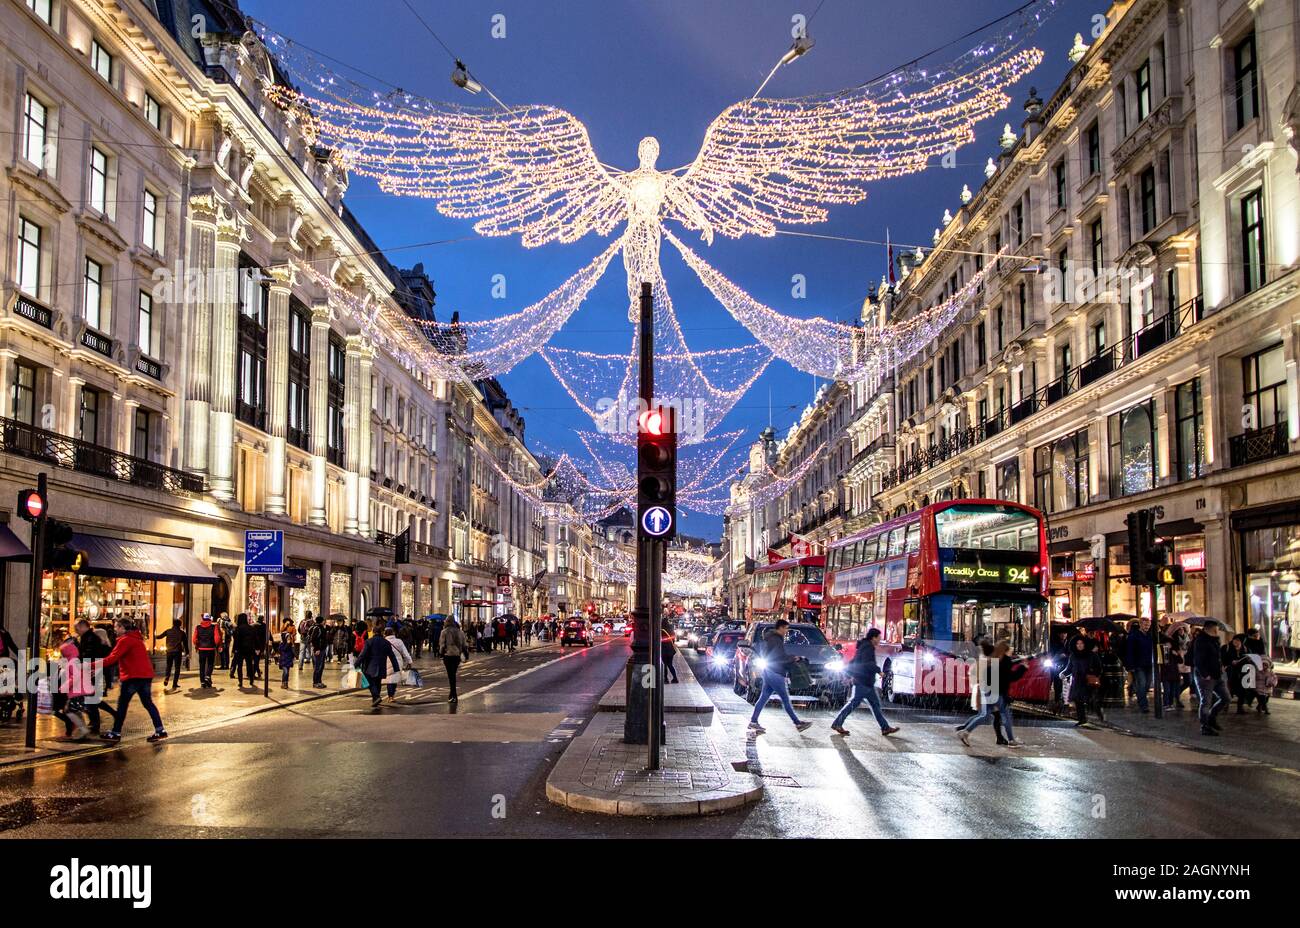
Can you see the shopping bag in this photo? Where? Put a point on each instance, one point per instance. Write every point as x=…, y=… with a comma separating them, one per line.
x=44, y=704
x=348, y=679
x=362, y=682
x=411, y=677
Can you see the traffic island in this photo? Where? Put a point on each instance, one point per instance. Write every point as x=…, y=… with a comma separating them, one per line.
x=598, y=772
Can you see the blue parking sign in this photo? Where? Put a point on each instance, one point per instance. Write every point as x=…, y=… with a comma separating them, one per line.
x=264, y=552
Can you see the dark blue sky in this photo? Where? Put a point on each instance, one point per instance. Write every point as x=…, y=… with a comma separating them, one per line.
x=630, y=68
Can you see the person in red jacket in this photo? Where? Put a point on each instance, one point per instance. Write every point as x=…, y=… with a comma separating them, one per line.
x=135, y=668
x=207, y=640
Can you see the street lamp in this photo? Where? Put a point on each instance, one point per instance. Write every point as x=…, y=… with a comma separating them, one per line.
x=798, y=48
x=461, y=78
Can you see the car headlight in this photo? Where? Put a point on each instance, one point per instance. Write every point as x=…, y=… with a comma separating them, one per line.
x=760, y=663
x=835, y=666
x=719, y=660
x=1049, y=663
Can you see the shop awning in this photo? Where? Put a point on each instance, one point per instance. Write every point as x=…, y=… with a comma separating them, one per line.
x=11, y=549
x=136, y=560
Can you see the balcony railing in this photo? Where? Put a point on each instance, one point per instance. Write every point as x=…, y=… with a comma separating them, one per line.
x=1260, y=445
x=88, y=458
x=1141, y=343
x=28, y=308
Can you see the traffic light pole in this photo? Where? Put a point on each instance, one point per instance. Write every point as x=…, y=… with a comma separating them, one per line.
x=34, y=613
x=644, y=720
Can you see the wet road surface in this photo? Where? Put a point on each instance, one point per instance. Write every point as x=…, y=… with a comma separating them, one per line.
x=416, y=768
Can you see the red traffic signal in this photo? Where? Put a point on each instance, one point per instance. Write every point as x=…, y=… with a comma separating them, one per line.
x=31, y=505
x=654, y=422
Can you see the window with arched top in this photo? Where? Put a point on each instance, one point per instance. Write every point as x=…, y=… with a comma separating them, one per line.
x=1061, y=473
x=1133, y=450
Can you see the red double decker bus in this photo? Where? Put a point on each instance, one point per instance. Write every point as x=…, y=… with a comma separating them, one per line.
x=790, y=589
x=934, y=582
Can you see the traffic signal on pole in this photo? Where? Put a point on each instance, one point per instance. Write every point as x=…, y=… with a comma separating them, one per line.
x=1146, y=555
x=657, y=472
x=31, y=505
x=59, y=554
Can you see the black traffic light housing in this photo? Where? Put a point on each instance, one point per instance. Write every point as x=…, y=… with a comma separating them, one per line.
x=1146, y=555
x=656, y=467
x=402, y=547
x=59, y=555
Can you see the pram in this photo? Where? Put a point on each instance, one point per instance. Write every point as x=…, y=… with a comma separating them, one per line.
x=11, y=706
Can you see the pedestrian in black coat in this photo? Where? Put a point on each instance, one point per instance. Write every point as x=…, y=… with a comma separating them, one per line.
x=1083, y=663
x=373, y=661
x=247, y=640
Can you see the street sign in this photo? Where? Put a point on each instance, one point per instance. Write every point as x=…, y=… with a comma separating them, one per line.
x=264, y=552
x=657, y=521
x=292, y=578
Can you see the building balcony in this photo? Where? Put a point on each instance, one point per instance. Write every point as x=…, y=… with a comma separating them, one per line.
x=1121, y=354
x=1259, y=445
x=88, y=458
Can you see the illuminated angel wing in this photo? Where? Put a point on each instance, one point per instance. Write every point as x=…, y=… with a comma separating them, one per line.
x=527, y=171
x=765, y=161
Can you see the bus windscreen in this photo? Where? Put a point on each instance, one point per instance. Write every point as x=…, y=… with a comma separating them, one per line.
x=994, y=528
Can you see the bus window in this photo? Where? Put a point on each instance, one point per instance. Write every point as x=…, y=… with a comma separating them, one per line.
x=869, y=549
x=812, y=574
x=914, y=538
x=975, y=527
x=833, y=559
x=896, y=541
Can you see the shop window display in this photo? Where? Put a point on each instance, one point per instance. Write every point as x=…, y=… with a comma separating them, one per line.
x=341, y=593
x=1272, y=566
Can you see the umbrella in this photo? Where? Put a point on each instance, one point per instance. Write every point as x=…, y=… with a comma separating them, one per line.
x=379, y=612
x=1189, y=618
x=509, y=617
x=339, y=617
x=1103, y=623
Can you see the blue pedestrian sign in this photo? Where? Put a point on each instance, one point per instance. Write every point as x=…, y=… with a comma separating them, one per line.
x=657, y=521
x=264, y=552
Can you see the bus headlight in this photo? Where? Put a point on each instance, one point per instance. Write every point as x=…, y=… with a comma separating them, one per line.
x=719, y=661
x=760, y=663
x=835, y=666
x=1049, y=663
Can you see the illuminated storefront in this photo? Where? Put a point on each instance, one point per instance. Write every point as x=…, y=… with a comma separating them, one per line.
x=341, y=593
x=306, y=598
x=1269, y=546
x=146, y=583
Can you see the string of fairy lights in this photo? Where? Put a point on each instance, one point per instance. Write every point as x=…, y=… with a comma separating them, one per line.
x=531, y=171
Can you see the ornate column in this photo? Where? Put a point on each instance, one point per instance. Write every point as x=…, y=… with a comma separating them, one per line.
x=125, y=423
x=277, y=388
x=354, y=413
x=70, y=424
x=225, y=322
x=195, y=297
x=320, y=343
x=366, y=362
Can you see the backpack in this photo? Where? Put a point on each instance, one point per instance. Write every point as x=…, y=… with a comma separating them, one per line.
x=318, y=636
x=205, y=637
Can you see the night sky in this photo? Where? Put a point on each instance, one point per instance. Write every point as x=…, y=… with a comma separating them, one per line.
x=664, y=68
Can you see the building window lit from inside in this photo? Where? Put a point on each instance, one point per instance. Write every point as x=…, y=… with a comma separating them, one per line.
x=300, y=376
x=101, y=60
x=1133, y=450
x=43, y=9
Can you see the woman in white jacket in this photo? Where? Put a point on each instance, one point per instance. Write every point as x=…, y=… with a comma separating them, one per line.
x=403, y=658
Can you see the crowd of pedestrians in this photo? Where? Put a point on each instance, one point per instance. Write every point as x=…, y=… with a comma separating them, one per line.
x=1117, y=664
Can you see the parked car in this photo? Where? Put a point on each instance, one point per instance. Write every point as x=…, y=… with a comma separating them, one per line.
x=576, y=632
x=820, y=677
